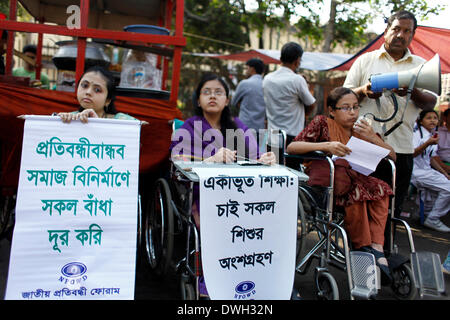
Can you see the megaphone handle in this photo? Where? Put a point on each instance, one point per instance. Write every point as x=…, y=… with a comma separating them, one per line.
x=408, y=97
x=394, y=100
x=395, y=126
x=410, y=89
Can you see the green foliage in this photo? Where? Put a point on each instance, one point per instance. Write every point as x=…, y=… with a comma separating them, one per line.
x=217, y=19
x=420, y=8
x=21, y=12
x=232, y=20
x=350, y=23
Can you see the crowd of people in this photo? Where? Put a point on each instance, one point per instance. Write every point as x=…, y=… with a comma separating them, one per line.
x=281, y=100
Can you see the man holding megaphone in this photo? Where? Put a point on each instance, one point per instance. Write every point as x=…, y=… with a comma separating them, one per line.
x=394, y=111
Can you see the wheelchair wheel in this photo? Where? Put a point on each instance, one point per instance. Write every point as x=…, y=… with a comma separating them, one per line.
x=7, y=204
x=187, y=289
x=326, y=286
x=159, y=226
x=301, y=230
x=403, y=285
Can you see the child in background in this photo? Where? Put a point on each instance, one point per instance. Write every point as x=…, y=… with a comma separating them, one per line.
x=427, y=172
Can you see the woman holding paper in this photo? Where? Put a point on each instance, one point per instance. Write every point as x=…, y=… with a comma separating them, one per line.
x=367, y=200
x=428, y=173
x=96, y=95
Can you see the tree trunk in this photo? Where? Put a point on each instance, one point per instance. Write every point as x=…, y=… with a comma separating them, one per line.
x=329, y=28
x=328, y=40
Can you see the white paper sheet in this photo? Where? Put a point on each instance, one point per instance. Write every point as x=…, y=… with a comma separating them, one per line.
x=248, y=228
x=58, y=251
x=365, y=156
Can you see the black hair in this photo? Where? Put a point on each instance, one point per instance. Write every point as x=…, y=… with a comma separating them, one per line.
x=226, y=119
x=445, y=113
x=402, y=14
x=290, y=52
x=110, y=86
x=4, y=35
x=422, y=115
x=257, y=64
x=30, y=48
x=336, y=94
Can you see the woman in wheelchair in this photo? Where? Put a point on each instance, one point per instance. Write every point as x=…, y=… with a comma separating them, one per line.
x=366, y=201
x=203, y=137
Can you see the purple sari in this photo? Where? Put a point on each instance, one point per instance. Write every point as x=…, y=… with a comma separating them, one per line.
x=197, y=140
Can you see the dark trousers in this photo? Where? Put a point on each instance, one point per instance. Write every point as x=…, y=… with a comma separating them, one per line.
x=403, y=166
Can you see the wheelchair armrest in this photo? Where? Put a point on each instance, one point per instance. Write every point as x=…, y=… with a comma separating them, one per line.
x=314, y=155
x=386, y=171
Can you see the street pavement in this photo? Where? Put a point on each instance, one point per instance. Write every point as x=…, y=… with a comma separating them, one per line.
x=150, y=287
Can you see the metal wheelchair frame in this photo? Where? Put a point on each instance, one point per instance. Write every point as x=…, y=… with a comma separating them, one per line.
x=171, y=217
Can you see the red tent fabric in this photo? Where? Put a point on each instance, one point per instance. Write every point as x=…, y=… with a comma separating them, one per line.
x=18, y=100
x=426, y=43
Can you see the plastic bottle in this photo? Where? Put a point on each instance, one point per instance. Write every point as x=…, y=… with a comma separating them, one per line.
x=139, y=76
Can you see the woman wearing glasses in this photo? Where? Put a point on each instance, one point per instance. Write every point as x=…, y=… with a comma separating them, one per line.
x=212, y=134
x=366, y=203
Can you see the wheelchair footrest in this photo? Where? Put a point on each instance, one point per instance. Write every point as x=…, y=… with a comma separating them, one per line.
x=427, y=273
x=365, y=275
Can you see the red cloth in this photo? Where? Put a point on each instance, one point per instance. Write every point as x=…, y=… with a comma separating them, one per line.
x=19, y=100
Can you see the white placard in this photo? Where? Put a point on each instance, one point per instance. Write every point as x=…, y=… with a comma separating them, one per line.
x=76, y=212
x=248, y=227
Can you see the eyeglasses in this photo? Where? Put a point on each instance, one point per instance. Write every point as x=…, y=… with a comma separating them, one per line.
x=217, y=93
x=348, y=109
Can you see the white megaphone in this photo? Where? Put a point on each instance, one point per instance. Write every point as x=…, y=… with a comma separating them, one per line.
x=426, y=76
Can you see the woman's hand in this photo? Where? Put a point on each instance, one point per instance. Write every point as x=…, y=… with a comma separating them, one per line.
x=223, y=155
x=338, y=149
x=363, y=128
x=67, y=117
x=268, y=158
x=85, y=114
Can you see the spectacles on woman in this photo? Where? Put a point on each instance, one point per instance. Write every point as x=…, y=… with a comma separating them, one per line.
x=348, y=108
x=217, y=93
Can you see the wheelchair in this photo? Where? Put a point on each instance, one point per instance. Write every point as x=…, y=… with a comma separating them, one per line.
x=320, y=220
x=171, y=238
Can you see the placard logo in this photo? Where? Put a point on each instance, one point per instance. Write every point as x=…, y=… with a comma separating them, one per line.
x=73, y=274
x=245, y=290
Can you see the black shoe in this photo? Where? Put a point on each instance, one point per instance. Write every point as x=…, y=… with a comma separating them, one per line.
x=296, y=295
x=386, y=277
